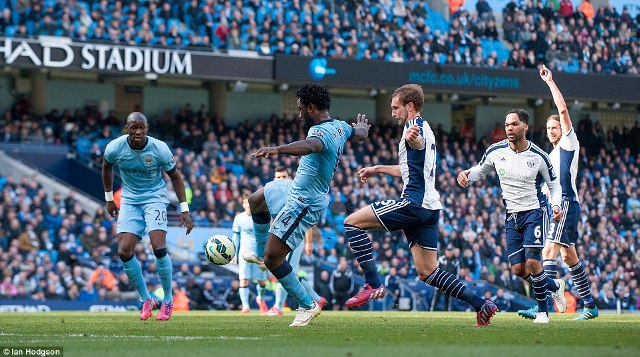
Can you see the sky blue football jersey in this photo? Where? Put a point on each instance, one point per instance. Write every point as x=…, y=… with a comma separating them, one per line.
x=141, y=170
x=311, y=183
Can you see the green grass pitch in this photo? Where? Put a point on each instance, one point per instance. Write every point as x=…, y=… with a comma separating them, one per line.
x=395, y=334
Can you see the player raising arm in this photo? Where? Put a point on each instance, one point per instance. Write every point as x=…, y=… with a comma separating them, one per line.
x=563, y=236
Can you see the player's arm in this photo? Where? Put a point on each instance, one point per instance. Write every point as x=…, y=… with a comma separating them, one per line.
x=558, y=99
x=360, y=129
x=477, y=172
x=414, y=137
x=555, y=190
x=297, y=148
x=107, y=182
x=390, y=170
x=178, y=186
x=308, y=241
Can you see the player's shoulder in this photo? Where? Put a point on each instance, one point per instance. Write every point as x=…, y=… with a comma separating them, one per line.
x=500, y=145
x=119, y=141
x=116, y=145
x=158, y=145
x=156, y=142
x=535, y=150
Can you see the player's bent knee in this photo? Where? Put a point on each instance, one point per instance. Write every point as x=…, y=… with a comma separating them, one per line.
x=272, y=261
x=257, y=201
x=424, y=273
x=519, y=270
x=125, y=254
x=533, y=254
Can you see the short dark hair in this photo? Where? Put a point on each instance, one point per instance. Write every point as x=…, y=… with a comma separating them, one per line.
x=522, y=115
x=410, y=93
x=281, y=169
x=316, y=94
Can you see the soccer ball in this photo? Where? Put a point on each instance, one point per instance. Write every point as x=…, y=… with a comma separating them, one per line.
x=219, y=249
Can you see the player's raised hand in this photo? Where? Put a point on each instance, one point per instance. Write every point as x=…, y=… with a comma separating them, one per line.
x=366, y=172
x=463, y=178
x=362, y=122
x=545, y=73
x=557, y=213
x=185, y=221
x=265, y=152
x=112, y=208
x=412, y=133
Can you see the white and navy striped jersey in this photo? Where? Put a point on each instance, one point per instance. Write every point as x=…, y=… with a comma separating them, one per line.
x=521, y=175
x=418, y=167
x=565, y=158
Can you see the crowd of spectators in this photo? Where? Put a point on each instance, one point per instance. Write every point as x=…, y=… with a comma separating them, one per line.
x=575, y=39
x=40, y=230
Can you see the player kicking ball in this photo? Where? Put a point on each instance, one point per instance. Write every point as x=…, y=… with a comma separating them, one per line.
x=141, y=160
x=306, y=199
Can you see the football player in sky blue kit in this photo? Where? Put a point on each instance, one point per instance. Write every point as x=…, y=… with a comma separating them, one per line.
x=141, y=160
x=245, y=240
x=522, y=168
x=562, y=236
x=307, y=196
x=416, y=212
x=275, y=197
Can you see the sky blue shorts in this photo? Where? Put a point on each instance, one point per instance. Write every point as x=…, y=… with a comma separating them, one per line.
x=142, y=219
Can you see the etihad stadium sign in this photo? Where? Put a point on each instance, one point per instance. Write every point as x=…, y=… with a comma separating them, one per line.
x=61, y=53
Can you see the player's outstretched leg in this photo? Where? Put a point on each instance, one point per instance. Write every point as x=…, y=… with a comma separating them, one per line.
x=452, y=286
x=362, y=249
x=276, y=252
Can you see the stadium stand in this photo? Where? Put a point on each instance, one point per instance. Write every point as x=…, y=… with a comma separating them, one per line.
x=51, y=249
x=568, y=38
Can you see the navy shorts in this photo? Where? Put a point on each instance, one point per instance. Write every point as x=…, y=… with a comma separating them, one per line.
x=420, y=225
x=565, y=232
x=524, y=230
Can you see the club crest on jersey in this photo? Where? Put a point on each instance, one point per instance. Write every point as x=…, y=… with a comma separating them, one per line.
x=148, y=161
x=531, y=164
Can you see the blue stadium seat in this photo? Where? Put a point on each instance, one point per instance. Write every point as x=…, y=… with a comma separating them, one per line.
x=173, y=22
x=10, y=31
x=237, y=169
x=83, y=147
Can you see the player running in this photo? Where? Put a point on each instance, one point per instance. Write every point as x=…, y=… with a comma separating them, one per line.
x=522, y=167
x=141, y=160
x=416, y=212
